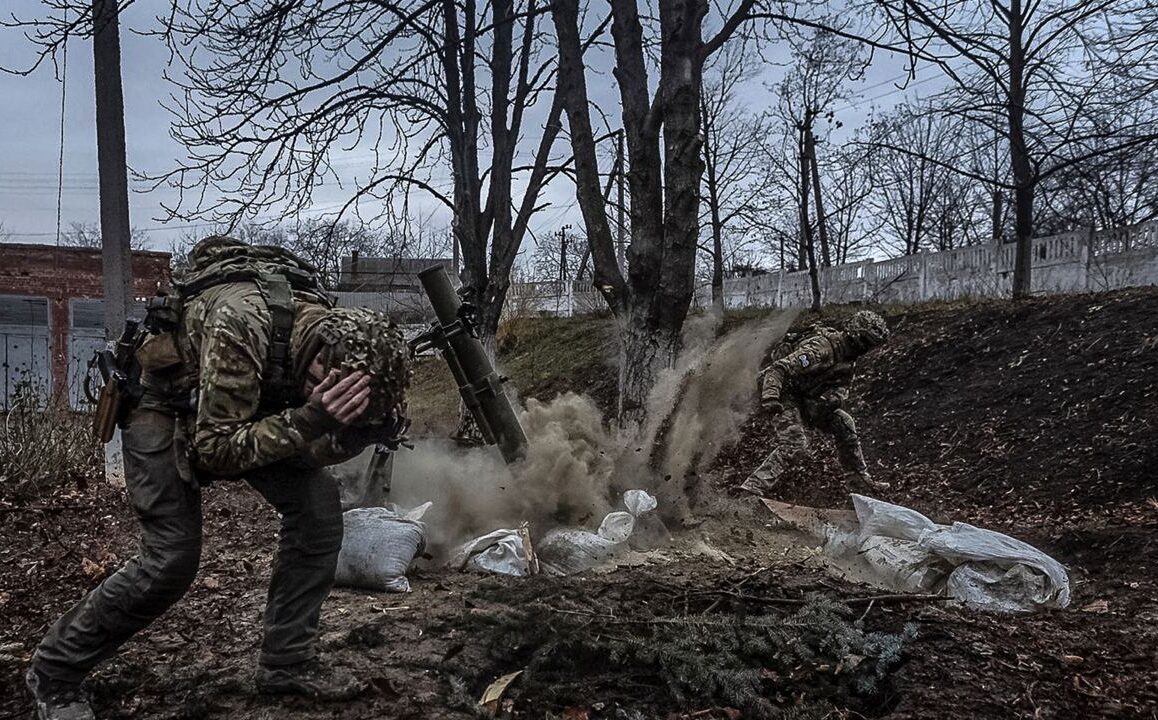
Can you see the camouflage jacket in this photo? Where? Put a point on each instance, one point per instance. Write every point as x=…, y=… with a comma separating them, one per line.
x=228, y=329
x=817, y=367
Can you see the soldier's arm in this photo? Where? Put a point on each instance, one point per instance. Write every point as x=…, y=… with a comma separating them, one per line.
x=338, y=447
x=812, y=356
x=228, y=438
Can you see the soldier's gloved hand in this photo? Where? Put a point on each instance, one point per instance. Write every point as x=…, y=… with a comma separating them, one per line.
x=772, y=407
x=344, y=400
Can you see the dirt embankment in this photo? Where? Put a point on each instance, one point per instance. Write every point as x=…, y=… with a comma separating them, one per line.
x=1036, y=419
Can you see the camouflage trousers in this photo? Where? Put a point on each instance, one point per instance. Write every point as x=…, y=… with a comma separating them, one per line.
x=169, y=511
x=790, y=442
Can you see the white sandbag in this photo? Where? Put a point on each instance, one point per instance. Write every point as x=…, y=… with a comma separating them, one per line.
x=571, y=550
x=500, y=552
x=993, y=587
x=992, y=570
x=378, y=546
x=903, y=565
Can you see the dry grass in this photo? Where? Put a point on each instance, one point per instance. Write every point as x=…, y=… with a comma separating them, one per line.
x=45, y=448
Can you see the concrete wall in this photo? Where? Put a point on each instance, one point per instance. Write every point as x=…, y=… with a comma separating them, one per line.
x=1073, y=262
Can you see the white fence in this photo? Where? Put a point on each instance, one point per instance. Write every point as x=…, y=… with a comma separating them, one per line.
x=1073, y=262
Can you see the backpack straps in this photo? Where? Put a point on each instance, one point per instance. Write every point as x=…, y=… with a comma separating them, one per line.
x=279, y=381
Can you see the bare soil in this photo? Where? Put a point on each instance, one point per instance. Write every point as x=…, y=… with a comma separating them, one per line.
x=1037, y=419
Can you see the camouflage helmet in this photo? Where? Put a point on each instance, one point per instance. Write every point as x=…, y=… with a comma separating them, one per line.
x=358, y=339
x=869, y=327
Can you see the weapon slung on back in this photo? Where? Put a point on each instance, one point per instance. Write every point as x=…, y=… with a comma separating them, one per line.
x=454, y=336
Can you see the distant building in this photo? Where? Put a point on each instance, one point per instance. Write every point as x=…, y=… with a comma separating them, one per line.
x=52, y=315
x=386, y=274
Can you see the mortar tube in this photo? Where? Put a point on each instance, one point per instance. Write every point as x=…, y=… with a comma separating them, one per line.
x=479, y=384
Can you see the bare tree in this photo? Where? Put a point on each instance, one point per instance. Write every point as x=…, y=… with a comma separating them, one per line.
x=911, y=153
x=851, y=186
x=665, y=165
x=823, y=63
x=733, y=181
x=1033, y=72
x=431, y=92
x=1119, y=187
x=88, y=235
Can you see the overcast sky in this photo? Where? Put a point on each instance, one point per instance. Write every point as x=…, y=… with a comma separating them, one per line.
x=30, y=136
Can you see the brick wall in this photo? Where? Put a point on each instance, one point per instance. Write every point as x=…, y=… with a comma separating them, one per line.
x=61, y=274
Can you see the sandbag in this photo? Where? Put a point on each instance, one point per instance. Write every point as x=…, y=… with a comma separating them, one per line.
x=378, y=546
x=991, y=570
x=500, y=552
x=572, y=550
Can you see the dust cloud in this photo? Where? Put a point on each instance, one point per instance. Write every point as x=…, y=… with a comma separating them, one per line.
x=575, y=469
x=563, y=481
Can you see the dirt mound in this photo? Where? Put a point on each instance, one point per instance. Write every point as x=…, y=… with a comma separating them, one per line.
x=1036, y=419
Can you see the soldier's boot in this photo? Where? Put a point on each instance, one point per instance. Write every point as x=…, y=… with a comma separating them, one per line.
x=765, y=477
x=310, y=679
x=56, y=699
x=861, y=482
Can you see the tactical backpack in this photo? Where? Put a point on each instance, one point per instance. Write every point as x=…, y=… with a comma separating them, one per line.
x=278, y=275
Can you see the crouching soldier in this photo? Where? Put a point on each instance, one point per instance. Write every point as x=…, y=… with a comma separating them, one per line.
x=807, y=386
x=247, y=371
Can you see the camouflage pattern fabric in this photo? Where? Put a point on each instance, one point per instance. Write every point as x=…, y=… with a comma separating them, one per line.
x=821, y=362
x=228, y=328
x=810, y=381
x=361, y=340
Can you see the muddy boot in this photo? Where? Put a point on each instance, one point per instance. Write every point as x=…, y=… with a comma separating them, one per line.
x=310, y=678
x=56, y=699
x=863, y=483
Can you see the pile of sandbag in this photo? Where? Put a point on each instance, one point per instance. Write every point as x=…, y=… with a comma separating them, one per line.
x=901, y=549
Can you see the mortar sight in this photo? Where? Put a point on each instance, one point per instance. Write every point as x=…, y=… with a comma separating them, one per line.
x=455, y=336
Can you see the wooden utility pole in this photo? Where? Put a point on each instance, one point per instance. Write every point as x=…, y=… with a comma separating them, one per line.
x=114, y=189
x=821, y=220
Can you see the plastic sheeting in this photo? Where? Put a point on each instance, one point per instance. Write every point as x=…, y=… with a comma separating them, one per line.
x=571, y=550
x=989, y=569
x=501, y=552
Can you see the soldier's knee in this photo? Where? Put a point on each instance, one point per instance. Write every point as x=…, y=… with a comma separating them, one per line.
x=319, y=532
x=172, y=567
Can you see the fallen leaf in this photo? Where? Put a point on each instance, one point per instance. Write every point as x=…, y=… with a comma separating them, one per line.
x=91, y=569
x=212, y=583
x=1101, y=607
x=1073, y=659
x=495, y=690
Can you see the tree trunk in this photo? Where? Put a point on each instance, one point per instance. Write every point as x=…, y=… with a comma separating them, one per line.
x=1024, y=178
x=806, y=241
x=713, y=197
x=997, y=212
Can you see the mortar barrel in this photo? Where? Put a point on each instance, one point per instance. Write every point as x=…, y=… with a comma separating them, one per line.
x=481, y=380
